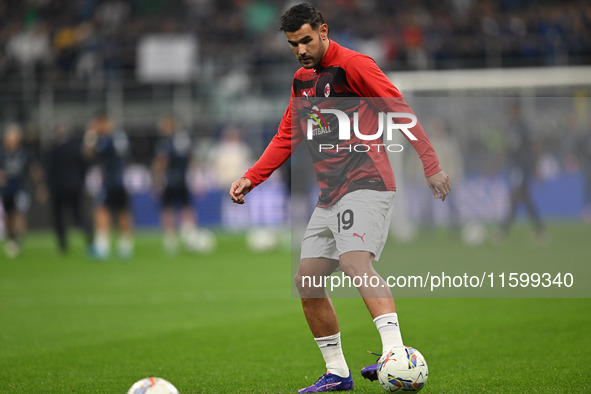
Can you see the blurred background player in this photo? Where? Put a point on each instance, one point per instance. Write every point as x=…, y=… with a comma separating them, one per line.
x=65, y=170
x=449, y=152
x=582, y=150
x=109, y=149
x=15, y=165
x=172, y=160
x=229, y=156
x=522, y=157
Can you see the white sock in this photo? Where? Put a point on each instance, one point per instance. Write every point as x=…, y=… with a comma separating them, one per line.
x=389, y=330
x=170, y=242
x=188, y=232
x=333, y=354
x=102, y=244
x=125, y=245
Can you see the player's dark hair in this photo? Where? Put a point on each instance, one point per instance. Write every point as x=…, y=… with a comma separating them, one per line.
x=298, y=15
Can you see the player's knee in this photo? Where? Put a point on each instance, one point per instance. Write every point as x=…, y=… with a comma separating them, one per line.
x=351, y=270
x=356, y=267
x=299, y=280
x=309, y=286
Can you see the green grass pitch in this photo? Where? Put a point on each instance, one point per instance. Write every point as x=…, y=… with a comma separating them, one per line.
x=226, y=323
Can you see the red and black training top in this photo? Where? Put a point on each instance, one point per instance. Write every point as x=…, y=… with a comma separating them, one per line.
x=342, y=73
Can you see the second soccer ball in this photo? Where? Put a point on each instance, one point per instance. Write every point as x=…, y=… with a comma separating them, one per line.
x=152, y=386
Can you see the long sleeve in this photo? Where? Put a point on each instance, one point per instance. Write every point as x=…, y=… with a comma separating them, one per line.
x=277, y=152
x=367, y=80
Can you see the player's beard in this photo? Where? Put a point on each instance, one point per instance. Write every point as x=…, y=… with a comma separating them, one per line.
x=316, y=58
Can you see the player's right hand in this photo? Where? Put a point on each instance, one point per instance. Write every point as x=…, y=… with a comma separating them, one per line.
x=239, y=189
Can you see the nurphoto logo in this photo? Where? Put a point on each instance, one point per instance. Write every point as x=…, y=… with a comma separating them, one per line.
x=387, y=123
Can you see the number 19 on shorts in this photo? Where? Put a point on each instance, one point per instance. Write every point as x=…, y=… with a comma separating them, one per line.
x=345, y=220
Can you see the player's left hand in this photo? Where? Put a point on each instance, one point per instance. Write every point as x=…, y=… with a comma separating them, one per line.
x=439, y=184
x=239, y=189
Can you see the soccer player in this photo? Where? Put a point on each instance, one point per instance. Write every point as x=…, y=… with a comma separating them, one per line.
x=583, y=151
x=65, y=169
x=109, y=149
x=356, y=187
x=15, y=165
x=173, y=157
x=522, y=157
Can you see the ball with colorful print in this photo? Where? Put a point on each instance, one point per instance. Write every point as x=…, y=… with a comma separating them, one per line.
x=153, y=386
x=402, y=368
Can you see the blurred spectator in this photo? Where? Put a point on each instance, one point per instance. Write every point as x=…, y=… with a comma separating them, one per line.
x=109, y=149
x=30, y=46
x=260, y=16
x=89, y=60
x=404, y=34
x=112, y=14
x=171, y=163
x=64, y=47
x=65, y=169
x=412, y=36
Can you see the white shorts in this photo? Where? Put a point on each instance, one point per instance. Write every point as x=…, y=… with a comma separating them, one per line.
x=357, y=222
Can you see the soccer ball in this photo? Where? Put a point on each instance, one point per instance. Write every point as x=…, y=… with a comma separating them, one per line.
x=402, y=368
x=262, y=240
x=200, y=240
x=152, y=386
x=473, y=233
